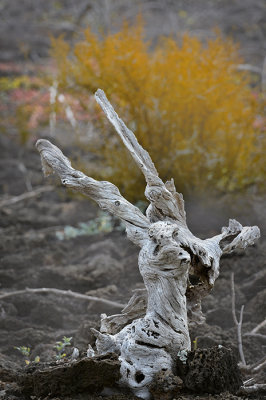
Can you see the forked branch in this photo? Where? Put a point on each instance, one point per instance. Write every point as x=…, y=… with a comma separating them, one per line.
x=238, y=324
x=104, y=193
x=165, y=201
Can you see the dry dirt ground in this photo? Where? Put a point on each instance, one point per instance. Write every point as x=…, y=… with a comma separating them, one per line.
x=26, y=25
x=102, y=265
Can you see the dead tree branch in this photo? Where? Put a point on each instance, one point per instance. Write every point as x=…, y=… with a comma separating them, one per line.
x=237, y=323
x=60, y=292
x=258, y=327
x=25, y=196
x=257, y=388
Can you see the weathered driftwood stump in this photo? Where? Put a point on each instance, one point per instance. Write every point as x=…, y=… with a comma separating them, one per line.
x=153, y=329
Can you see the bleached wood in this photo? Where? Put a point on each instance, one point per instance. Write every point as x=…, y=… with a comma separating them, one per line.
x=104, y=193
x=153, y=330
x=165, y=201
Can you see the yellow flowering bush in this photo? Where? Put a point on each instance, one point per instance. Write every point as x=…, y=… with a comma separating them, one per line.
x=186, y=102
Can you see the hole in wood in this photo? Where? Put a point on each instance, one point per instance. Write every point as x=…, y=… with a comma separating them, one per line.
x=139, y=376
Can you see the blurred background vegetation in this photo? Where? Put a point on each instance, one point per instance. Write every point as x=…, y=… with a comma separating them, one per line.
x=187, y=77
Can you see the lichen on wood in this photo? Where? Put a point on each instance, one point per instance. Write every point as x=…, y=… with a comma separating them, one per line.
x=152, y=331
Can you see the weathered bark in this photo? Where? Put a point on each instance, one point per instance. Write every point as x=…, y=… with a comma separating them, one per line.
x=152, y=331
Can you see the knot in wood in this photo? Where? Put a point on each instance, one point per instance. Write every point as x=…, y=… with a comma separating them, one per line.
x=162, y=232
x=153, y=193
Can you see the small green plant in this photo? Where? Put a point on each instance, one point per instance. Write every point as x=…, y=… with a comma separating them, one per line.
x=60, y=347
x=25, y=351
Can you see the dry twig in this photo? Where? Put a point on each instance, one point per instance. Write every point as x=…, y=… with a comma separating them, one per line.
x=257, y=387
x=258, y=327
x=24, y=196
x=255, y=367
x=63, y=293
x=238, y=323
x=255, y=330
